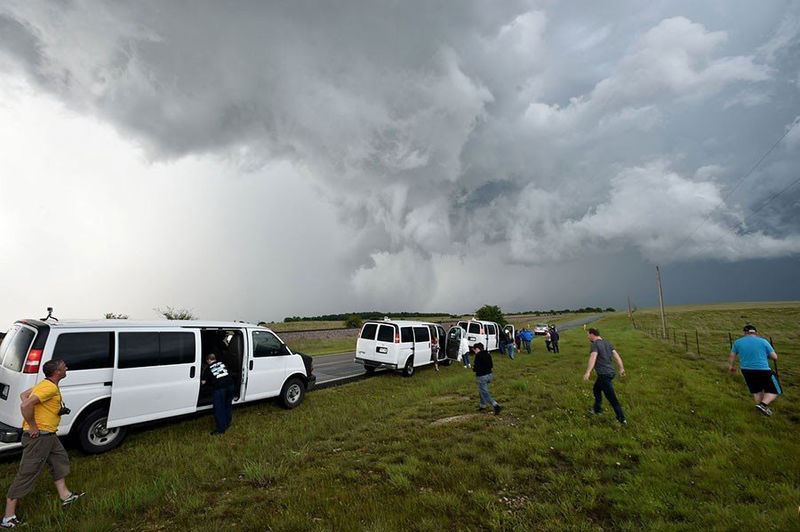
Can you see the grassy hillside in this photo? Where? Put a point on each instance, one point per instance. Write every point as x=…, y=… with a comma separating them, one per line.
x=390, y=453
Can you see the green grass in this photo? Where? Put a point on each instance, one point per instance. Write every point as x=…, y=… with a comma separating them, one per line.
x=389, y=453
x=323, y=346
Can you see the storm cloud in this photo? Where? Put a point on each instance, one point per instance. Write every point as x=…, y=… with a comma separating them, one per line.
x=441, y=135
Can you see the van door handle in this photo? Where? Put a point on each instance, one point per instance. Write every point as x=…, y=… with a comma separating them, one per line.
x=251, y=365
x=191, y=372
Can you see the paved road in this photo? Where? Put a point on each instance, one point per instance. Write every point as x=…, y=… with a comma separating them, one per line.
x=340, y=368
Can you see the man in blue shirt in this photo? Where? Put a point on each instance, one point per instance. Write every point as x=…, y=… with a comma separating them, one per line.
x=754, y=354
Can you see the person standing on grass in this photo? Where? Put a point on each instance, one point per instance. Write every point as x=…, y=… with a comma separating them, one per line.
x=217, y=373
x=527, y=336
x=510, y=345
x=548, y=339
x=554, y=336
x=754, y=354
x=601, y=355
x=41, y=409
x=483, y=376
x=435, y=352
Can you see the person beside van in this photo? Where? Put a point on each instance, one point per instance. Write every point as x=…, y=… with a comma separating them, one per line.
x=217, y=374
x=483, y=376
x=435, y=352
x=502, y=342
x=527, y=337
x=510, y=345
x=41, y=409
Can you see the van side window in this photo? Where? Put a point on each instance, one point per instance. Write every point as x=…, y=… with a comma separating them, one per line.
x=422, y=334
x=145, y=349
x=490, y=329
x=406, y=335
x=386, y=334
x=474, y=328
x=266, y=344
x=16, y=344
x=368, y=332
x=90, y=350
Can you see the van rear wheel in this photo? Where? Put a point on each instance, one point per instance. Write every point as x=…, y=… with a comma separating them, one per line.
x=93, y=435
x=292, y=393
x=369, y=370
x=408, y=370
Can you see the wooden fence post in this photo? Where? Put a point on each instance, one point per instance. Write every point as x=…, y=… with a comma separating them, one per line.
x=730, y=340
x=686, y=341
x=697, y=341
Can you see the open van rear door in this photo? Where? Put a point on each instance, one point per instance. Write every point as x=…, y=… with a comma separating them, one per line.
x=456, y=343
x=156, y=375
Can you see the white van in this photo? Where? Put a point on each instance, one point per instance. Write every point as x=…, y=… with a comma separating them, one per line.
x=124, y=372
x=402, y=345
x=486, y=332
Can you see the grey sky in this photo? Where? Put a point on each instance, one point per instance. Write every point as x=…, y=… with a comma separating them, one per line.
x=255, y=160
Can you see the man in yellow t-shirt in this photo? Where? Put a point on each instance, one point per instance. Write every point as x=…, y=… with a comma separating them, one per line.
x=41, y=410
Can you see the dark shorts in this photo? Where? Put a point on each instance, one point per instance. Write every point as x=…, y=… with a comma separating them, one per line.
x=46, y=449
x=761, y=380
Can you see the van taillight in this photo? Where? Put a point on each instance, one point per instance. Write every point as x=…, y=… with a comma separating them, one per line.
x=397, y=337
x=34, y=359
x=482, y=331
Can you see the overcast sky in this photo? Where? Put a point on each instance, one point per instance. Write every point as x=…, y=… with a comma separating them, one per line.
x=256, y=160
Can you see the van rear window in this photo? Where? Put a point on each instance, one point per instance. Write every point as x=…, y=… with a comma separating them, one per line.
x=15, y=347
x=474, y=328
x=369, y=330
x=144, y=349
x=92, y=350
x=386, y=333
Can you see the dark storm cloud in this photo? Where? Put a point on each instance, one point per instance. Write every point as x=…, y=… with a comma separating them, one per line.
x=536, y=130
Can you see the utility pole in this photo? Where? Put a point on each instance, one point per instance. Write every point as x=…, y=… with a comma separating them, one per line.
x=661, y=304
x=630, y=312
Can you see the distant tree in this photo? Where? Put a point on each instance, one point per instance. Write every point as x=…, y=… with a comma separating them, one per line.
x=353, y=321
x=115, y=316
x=491, y=313
x=610, y=309
x=176, y=313
x=262, y=323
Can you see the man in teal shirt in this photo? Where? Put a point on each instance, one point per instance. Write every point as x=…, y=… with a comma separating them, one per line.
x=754, y=354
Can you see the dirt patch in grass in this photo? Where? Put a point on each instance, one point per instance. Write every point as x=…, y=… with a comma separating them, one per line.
x=454, y=419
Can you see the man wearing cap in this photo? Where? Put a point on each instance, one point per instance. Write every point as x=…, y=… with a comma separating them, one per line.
x=754, y=354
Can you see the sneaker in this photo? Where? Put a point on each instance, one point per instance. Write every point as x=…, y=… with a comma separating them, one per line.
x=497, y=409
x=764, y=409
x=72, y=498
x=623, y=422
x=593, y=412
x=11, y=523
x=481, y=409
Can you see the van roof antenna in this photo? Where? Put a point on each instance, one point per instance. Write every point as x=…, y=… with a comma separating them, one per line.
x=50, y=315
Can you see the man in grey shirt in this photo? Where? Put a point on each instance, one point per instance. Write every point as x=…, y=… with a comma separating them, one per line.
x=601, y=355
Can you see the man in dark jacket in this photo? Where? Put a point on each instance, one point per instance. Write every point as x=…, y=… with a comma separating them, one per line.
x=217, y=374
x=554, y=339
x=483, y=373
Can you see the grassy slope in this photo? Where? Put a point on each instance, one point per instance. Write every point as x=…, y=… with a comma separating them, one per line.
x=370, y=455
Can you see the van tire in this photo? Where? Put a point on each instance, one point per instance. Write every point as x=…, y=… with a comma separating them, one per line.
x=292, y=393
x=94, y=437
x=369, y=370
x=408, y=370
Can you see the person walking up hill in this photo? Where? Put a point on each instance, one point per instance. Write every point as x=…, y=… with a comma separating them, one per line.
x=601, y=355
x=754, y=354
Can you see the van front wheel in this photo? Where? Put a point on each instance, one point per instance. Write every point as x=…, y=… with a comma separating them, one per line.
x=409, y=369
x=93, y=435
x=292, y=393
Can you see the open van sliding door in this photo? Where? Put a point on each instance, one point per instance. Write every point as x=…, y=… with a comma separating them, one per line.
x=156, y=375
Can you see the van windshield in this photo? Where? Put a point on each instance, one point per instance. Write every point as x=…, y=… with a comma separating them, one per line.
x=15, y=347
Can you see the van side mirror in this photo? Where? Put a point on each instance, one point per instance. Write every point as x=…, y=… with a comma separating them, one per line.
x=284, y=351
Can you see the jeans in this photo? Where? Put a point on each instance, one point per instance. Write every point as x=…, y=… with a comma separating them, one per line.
x=223, y=409
x=527, y=344
x=554, y=343
x=511, y=351
x=604, y=385
x=465, y=359
x=483, y=390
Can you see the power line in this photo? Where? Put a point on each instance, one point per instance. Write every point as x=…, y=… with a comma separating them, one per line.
x=739, y=182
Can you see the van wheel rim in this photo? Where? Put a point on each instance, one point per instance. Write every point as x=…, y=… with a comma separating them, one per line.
x=101, y=435
x=293, y=393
